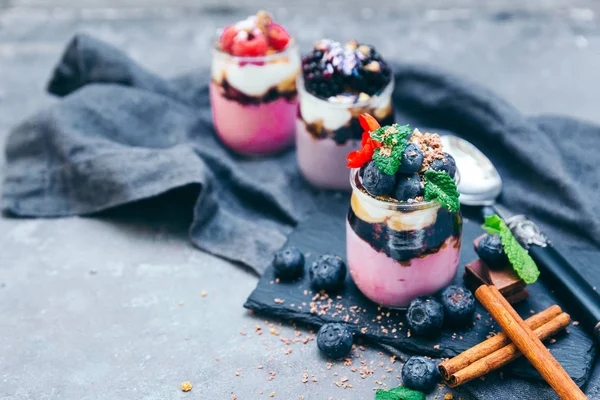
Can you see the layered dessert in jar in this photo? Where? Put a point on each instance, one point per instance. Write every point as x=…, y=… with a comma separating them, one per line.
x=404, y=225
x=253, y=88
x=339, y=82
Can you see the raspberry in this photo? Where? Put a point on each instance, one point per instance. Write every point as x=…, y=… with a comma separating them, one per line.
x=253, y=46
x=227, y=37
x=278, y=37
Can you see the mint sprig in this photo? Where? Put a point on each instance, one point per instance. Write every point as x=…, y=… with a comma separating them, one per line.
x=440, y=186
x=518, y=257
x=394, y=139
x=399, y=393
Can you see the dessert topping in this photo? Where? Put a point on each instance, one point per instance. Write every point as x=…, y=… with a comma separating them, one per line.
x=255, y=36
x=342, y=72
x=518, y=257
x=398, y=151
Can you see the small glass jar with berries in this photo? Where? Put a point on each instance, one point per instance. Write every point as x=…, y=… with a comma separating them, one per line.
x=253, y=94
x=339, y=82
x=404, y=226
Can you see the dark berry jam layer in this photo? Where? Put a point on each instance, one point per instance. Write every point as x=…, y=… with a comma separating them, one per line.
x=331, y=69
x=231, y=93
x=403, y=246
x=351, y=131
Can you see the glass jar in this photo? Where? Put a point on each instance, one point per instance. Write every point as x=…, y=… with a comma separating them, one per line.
x=254, y=100
x=327, y=131
x=399, y=251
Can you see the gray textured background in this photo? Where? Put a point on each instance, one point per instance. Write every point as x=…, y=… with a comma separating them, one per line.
x=112, y=308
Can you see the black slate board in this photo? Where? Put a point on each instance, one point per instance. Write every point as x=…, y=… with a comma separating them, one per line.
x=324, y=232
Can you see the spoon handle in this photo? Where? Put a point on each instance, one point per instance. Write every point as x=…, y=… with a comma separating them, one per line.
x=579, y=297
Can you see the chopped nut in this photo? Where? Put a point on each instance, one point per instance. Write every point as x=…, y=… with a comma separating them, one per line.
x=373, y=66
x=186, y=386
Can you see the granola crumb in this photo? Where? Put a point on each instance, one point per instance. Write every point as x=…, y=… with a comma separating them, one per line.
x=233, y=397
x=437, y=347
x=575, y=323
x=186, y=386
x=448, y=396
x=237, y=373
x=180, y=303
x=279, y=301
x=203, y=294
x=272, y=394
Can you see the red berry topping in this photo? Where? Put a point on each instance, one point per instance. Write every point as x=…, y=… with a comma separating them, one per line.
x=358, y=158
x=226, y=40
x=278, y=37
x=252, y=46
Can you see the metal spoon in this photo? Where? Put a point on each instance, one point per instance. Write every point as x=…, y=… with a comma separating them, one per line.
x=480, y=185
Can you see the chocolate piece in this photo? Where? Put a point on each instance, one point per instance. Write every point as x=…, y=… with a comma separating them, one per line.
x=506, y=279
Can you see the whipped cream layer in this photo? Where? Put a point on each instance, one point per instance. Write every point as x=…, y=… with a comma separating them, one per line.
x=256, y=80
x=367, y=210
x=334, y=114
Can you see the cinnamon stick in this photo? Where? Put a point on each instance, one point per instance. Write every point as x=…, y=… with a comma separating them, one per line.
x=528, y=344
x=485, y=348
x=505, y=355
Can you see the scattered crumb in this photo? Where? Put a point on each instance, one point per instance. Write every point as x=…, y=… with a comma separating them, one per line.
x=448, y=396
x=186, y=386
x=575, y=323
x=272, y=394
x=233, y=397
x=531, y=312
x=273, y=331
x=552, y=340
x=437, y=347
x=243, y=333
x=304, y=377
x=237, y=373
x=279, y=301
x=218, y=359
x=260, y=367
x=180, y=303
x=203, y=294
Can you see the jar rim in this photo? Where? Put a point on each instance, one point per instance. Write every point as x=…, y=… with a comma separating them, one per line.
x=385, y=93
x=359, y=190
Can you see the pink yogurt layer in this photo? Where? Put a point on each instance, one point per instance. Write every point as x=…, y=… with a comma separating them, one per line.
x=323, y=161
x=389, y=283
x=254, y=129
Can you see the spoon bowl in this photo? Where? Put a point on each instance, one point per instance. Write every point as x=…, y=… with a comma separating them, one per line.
x=480, y=184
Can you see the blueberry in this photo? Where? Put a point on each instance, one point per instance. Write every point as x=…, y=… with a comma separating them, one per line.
x=490, y=250
x=412, y=159
x=425, y=316
x=335, y=340
x=445, y=164
x=288, y=263
x=459, y=305
x=408, y=187
x=328, y=273
x=376, y=182
x=420, y=373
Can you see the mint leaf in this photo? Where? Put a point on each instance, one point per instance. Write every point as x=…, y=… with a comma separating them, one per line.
x=493, y=224
x=391, y=135
x=399, y=393
x=388, y=158
x=518, y=257
x=440, y=186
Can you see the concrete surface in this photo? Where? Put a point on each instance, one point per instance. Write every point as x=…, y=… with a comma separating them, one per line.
x=112, y=308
